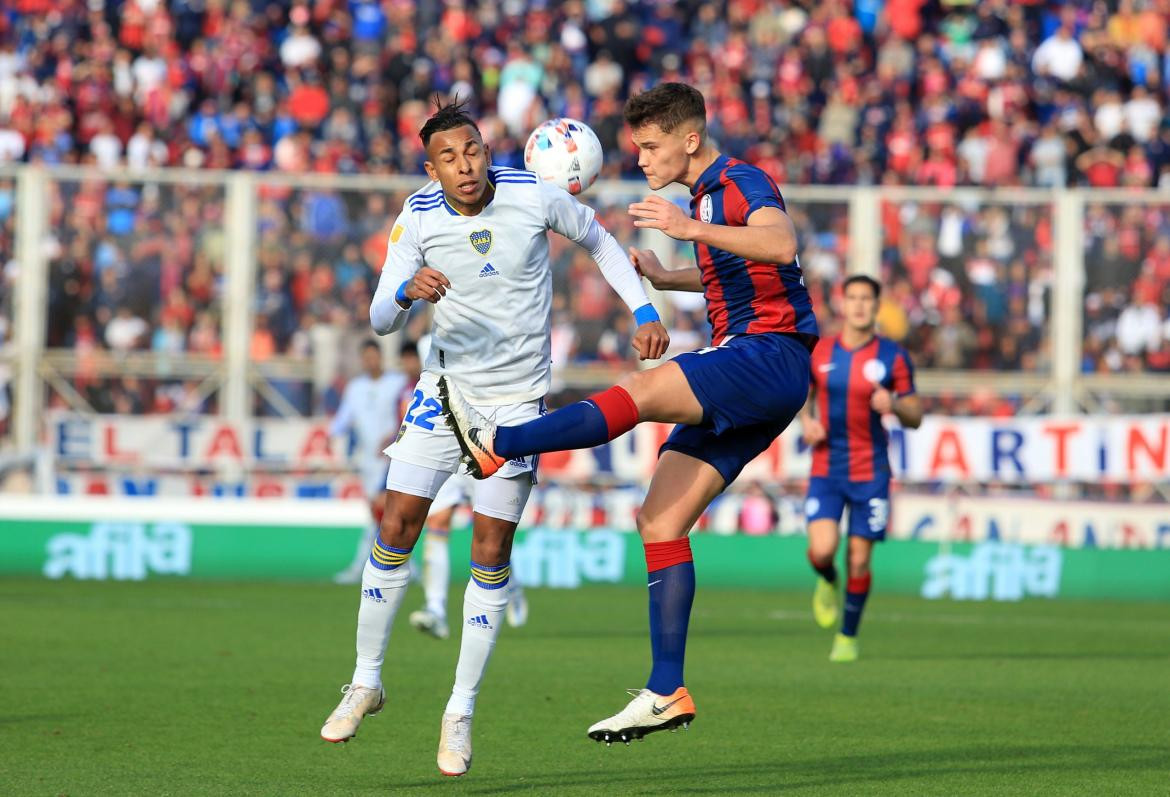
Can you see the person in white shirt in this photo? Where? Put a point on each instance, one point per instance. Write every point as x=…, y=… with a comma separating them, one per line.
x=1060, y=55
x=369, y=409
x=474, y=243
x=1142, y=114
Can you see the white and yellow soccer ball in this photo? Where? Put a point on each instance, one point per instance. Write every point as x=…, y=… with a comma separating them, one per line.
x=565, y=152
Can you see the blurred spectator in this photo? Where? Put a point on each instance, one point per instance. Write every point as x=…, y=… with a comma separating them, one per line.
x=125, y=331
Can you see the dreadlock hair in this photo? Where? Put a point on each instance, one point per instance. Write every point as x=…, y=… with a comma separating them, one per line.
x=446, y=117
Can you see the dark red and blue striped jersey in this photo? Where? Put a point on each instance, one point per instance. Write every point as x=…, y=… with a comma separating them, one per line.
x=845, y=381
x=746, y=296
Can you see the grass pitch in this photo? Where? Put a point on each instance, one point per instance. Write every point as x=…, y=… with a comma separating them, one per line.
x=185, y=688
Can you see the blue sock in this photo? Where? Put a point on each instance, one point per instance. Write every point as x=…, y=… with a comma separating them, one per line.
x=856, y=591
x=672, y=591
x=585, y=424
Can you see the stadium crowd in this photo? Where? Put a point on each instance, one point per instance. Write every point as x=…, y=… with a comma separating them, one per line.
x=872, y=92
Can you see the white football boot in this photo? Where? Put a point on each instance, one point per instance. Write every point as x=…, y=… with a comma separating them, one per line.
x=430, y=623
x=473, y=431
x=358, y=702
x=516, y=611
x=646, y=713
x=454, y=757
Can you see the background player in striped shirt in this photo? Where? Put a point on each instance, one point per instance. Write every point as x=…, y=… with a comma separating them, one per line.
x=731, y=399
x=857, y=377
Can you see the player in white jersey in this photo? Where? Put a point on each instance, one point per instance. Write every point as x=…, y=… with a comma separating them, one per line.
x=472, y=242
x=369, y=408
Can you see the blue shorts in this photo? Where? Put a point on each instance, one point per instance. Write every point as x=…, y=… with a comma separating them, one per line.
x=868, y=501
x=750, y=388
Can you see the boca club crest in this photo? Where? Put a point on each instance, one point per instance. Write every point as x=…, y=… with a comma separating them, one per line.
x=481, y=241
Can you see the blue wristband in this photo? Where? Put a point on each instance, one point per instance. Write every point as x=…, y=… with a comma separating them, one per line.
x=400, y=294
x=645, y=314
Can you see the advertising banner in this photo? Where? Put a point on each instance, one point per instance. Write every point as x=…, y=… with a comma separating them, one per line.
x=135, y=540
x=952, y=450
x=1027, y=521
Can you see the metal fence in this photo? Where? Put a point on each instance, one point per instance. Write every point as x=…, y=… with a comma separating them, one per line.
x=244, y=294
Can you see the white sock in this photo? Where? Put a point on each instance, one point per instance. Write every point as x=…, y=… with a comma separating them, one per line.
x=515, y=589
x=436, y=573
x=382, y=594
x=483, y=613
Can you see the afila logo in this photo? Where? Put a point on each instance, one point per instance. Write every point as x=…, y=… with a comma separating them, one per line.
x=488, y=271
x=481, y=241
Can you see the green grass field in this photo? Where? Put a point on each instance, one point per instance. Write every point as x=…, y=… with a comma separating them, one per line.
x=172, y=687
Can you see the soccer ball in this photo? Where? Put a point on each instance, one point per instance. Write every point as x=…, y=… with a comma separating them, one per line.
x=565, y=152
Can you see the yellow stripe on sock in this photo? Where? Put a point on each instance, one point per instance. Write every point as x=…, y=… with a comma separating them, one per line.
x=491, y=577
x=389, y=557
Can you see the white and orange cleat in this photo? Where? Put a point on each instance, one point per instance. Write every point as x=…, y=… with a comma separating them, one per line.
x=454, y=757
x=473, y=431
x=359, y=702
x=646, y=713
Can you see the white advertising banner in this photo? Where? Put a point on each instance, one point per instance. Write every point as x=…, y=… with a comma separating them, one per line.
x=1026, y=521
x=950, y=450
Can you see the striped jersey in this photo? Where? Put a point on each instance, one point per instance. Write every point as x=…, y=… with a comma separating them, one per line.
x=855, y=447
x=746, y=296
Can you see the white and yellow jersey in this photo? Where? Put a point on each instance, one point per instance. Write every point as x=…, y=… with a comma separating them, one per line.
x=491, y=330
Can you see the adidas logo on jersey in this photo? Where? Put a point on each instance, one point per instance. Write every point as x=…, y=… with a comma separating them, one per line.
x=373, y=594
x=488, y=271
x=480, y=621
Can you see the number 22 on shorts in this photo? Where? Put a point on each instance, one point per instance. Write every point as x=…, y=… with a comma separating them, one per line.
x=429, y=409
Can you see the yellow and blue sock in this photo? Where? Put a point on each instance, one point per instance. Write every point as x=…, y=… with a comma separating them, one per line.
x=484, y=602
x=387, y=557
x=384, y=583
x=491, y=576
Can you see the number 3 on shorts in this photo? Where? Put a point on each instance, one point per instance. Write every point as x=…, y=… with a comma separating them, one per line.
x=879, y=514
x=430, y=407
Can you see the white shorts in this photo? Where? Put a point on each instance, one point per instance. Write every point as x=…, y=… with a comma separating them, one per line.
x=497, y=496
x=373, y=474
x=425, y=439
x=459, y=489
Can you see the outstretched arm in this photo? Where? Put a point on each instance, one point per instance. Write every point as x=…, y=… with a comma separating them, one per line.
x=577, y=222
x=651, y=339
x=768, y=237
x=663, y=278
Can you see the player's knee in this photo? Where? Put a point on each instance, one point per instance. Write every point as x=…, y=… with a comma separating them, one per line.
x=399, y=531
x=637, y=384
x=491, y=551
x=858, y=566
x=820, y=556
x=391, y=528
x=655, y=529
